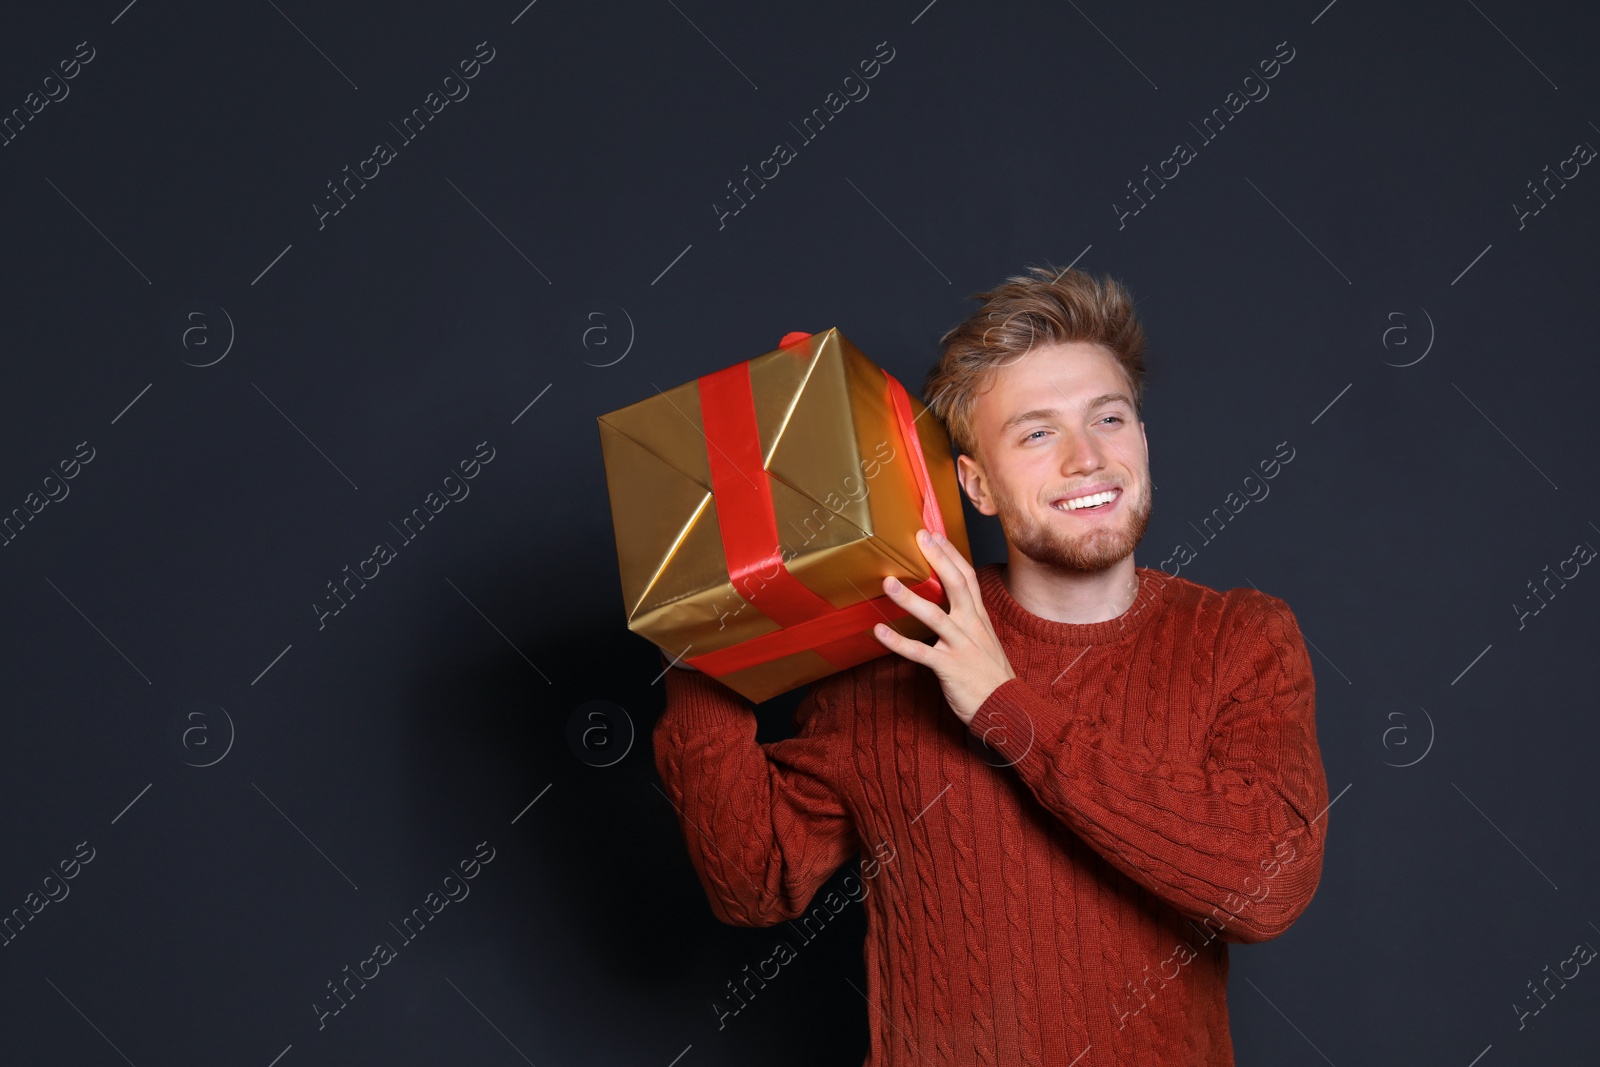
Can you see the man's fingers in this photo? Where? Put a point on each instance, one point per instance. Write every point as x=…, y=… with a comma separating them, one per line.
x=899, y=643
x=947, y=564
x=966, y=593
x=926, y=612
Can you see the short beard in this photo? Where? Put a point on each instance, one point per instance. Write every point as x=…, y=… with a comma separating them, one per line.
x=1089, y=553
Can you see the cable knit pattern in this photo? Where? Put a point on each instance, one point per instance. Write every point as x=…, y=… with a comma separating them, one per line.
x=927, y=895
x=885, y=1024
x=1151, y=790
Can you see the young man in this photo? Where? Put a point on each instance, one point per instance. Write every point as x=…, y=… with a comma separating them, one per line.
x=1095, y=778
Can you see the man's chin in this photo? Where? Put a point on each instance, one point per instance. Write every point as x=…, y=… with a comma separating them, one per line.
x=1093, y=554
x=1073, y=560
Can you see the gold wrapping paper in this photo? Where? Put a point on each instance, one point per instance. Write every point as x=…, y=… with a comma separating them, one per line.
x=843, y=490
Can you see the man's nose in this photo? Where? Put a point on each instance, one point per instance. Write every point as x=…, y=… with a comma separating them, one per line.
x=1081, y=453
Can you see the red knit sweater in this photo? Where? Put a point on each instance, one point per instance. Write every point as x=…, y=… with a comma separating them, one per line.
x=1150, y=789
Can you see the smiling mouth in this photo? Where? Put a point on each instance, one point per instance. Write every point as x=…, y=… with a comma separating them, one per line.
x=1091, y=502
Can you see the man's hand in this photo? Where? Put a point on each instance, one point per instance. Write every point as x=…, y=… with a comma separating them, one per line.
x=967, y=657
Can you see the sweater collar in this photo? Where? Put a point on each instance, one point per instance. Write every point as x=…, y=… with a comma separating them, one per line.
x=1154, y=593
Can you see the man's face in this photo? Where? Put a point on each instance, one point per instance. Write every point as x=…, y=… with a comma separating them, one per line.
x=1057, y=425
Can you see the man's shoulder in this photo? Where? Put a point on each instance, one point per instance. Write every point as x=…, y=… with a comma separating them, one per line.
x=1226, y=611
x=859, y=686
x=1244, y=628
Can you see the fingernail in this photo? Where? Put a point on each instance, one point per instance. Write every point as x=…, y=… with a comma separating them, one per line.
x=894, y=583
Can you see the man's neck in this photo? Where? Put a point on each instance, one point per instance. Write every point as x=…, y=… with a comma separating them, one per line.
x=1071, y=596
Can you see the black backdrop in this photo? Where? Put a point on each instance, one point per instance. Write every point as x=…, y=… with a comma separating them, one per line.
x=219, y=392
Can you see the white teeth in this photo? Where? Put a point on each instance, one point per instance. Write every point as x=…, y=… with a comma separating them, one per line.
x=1088, y=501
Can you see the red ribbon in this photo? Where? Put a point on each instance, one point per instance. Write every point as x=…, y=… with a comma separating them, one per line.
x=749, y=527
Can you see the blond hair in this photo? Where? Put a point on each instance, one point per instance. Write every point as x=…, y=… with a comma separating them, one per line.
x=1045, y=306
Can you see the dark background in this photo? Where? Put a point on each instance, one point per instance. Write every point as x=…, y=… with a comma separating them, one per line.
x=1342, y=269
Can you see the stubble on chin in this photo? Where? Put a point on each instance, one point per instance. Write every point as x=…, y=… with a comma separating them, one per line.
x=1049, y=544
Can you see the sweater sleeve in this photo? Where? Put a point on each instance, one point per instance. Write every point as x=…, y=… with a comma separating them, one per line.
x=765, y=824
x=1229, y=833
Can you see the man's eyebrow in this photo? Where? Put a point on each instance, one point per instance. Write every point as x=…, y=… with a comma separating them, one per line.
x=1050, y=413
x=1028, y=416
x=1106, y=399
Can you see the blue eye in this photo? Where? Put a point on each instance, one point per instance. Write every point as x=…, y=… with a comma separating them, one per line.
x=1030, y=436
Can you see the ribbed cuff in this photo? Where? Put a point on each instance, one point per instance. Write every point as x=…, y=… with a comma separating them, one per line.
x=1012, y=722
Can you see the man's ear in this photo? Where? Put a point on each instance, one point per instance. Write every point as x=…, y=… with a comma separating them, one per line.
x=970, y=473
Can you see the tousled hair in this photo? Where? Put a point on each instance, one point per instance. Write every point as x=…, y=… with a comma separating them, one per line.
x=1045, y=306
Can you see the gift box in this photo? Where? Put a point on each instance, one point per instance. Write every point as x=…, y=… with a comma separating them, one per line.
x=758, y=509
